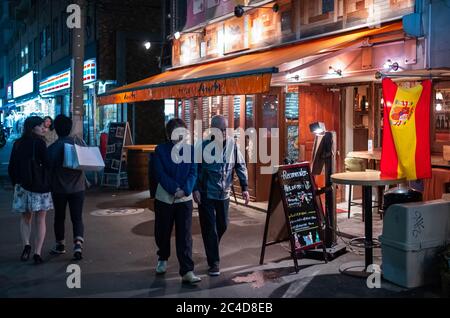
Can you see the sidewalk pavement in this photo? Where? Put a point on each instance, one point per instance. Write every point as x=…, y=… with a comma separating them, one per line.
x=120, y=258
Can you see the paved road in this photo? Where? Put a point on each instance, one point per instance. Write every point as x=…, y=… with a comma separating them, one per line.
x=120, y=258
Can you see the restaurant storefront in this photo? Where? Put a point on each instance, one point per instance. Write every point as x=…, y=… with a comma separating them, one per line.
x=288, y=86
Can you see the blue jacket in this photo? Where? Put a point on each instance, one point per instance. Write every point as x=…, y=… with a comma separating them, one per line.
x=215, y=178
x=173, y=175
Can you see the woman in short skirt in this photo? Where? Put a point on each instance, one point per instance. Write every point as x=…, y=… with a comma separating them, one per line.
x=30, y=204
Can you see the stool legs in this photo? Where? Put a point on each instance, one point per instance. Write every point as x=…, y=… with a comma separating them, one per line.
x=349, y=200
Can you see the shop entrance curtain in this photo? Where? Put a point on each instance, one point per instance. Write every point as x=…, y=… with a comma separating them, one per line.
x=406, y=131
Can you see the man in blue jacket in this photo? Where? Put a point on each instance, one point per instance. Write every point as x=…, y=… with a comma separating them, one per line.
x=173, y=203
x=212, y=191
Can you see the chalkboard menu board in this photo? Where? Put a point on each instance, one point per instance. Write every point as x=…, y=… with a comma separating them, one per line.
x=297, y=192
x=294, y=212
x=114, y=149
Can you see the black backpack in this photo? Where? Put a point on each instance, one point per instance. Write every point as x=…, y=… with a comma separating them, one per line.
x=152, y=182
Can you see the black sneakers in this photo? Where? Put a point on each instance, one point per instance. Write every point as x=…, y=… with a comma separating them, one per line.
x=58, y=249
x=26, y=253
x=37, y=259
x=77, y=252
x=214, y=271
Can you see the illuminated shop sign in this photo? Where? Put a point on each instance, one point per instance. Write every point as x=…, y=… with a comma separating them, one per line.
x=90, y=71
x=9, y=91
x=55, y=82
x=24, y=85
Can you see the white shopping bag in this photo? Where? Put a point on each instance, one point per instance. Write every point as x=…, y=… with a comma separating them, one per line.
x=69, y=157
x=89, y=158
x=83, y=158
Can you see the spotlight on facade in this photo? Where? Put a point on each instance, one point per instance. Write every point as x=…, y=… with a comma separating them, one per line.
x=147, y=45
x=333, y=71
x=390, y=66
x=239, y=9
x=177, y=35
x=317, y=128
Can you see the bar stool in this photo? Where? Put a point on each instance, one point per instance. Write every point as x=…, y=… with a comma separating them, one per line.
x=354, y=164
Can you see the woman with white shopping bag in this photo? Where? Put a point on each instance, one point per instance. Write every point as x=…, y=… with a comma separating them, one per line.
x=68, y=188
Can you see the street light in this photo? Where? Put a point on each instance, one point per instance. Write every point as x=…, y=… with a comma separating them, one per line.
x=239, y=9
x=148, y=44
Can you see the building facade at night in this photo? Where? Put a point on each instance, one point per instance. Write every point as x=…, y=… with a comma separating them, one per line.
x=287, y=63
x=37, y=54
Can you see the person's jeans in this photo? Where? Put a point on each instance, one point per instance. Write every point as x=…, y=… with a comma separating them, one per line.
x=75, y=201
x=165, y=216
x=213, y=216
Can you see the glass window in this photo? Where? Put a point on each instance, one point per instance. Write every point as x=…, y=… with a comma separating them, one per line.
x=55, y=31
x=237, y=111
x=169, y=110
x=48, y=34
x=42, y=41
x=249, y=114
x=187, y=113
x=291, y=119
x=64, y=28
x=442, y=115
x=270, y=111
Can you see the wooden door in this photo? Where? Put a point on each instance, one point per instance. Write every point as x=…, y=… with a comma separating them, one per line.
x=269, y=112
x=318, y=103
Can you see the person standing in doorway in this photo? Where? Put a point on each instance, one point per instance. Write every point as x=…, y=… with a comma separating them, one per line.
x=173, y=202
x=32, y=198
x=68, y=188
x=212, y=191
x=50, y=134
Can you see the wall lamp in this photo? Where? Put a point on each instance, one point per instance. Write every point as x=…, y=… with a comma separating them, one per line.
x=177, y=34
x=390, y=66
x=239, y=9
x=317, y=127
x=333, y=71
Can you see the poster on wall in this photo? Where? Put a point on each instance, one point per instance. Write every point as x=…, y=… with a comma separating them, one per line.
x=235, y=39
x=292, y=143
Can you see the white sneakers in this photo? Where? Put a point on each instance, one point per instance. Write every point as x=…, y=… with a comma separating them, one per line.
x=161, y=267
x=190, y=278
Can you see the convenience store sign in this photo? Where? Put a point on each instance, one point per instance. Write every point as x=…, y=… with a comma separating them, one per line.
x=62, y=80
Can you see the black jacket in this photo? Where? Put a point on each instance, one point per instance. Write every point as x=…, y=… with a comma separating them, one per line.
x=21, y=154
x=64, y=180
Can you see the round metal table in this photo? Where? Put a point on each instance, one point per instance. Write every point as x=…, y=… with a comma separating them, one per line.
x=366, y=179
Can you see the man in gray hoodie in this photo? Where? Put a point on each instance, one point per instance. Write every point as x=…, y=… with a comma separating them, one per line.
x=212, y=191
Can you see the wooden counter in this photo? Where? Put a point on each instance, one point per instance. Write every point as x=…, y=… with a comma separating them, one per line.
x=143, y=148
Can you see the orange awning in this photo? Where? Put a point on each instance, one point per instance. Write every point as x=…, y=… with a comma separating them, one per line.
x=245, y=74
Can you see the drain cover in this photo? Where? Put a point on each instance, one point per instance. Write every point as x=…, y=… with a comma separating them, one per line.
x=117, y=212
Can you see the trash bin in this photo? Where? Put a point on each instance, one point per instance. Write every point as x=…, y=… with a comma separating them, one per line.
x=400, y=194
x=413, y=235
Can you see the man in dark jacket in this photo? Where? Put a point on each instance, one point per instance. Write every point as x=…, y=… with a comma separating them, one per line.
x=212, y=192
x=68, y=187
